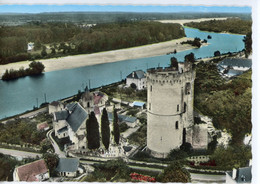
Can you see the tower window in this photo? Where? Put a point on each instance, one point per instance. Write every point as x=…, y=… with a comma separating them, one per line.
x=88, y=105
x=176, y=125
x=150, y=106
x=185, y=105
x=177, y=108
x=151, y=88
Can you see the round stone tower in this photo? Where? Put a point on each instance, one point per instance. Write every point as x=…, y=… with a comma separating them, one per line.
x=169, y=108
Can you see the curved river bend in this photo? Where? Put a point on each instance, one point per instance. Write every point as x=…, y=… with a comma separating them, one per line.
x=20, y=95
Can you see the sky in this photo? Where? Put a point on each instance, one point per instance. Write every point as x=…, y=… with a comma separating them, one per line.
x=116, y=8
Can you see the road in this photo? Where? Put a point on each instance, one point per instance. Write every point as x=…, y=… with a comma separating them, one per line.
x=60, y=153
x=19, y=154
x=207, y=178
x=29, y=114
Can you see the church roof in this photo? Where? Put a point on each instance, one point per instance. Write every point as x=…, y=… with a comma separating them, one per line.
x=77, y=116
x=138, y=74
x=61, y=115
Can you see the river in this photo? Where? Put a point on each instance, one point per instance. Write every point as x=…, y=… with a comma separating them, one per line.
x=20, y=95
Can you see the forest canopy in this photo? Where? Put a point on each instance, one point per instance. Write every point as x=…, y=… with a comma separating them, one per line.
x=232, y=25
x=68, y=39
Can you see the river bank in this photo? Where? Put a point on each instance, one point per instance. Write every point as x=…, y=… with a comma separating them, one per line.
x=76, y=61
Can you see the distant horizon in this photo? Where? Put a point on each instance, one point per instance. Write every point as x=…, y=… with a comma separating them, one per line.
x=36, y=9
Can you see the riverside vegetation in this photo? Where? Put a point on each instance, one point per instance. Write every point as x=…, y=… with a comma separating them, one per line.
x=61, y=39
x=35, y=68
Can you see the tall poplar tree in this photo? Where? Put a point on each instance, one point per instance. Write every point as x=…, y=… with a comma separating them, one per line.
x=116, y=128
x=105, y=129
x=93, y=132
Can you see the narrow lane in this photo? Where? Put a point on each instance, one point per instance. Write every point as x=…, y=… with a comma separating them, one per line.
x=60, y=153
x=19, y=154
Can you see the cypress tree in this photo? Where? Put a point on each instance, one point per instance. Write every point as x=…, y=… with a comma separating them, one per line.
x=93, y=132
x=116, y=128
x=105, y=129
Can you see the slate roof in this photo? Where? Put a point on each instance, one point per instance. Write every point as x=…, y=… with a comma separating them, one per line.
x=68, y=165
x=55, y=103
x=77, y=116
x=244, y=175
x=241, y=62
x=130, y=119
x=122, y=118
x=28, y=172
x=61, y=115
x=138, y=74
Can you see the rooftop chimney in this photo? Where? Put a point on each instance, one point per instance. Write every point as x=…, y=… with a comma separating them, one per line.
x=133, y=74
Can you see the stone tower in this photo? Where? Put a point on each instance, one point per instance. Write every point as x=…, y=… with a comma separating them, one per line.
x=170, y=94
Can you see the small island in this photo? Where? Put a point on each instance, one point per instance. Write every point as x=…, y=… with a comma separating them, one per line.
x=35, y=68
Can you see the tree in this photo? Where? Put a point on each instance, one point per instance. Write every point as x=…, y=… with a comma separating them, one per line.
x=216, y=53
x=175, y=173
x=44, y=53
x=37, y=45
x=93, y=132
x=52, y=161
x=248, y=43
x=116, y=130
x=196, y=42
x=174, y=62
x=53, y=51
x=133, y=85
x=189, y=58
x=105, y=129
x=36, y=67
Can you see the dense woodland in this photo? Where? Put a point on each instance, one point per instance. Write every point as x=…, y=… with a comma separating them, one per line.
x=232, y=25
x=227, y=102
x=68, y=39
x=105, y=17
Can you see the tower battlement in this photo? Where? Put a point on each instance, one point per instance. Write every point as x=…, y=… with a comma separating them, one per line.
x=169, y=76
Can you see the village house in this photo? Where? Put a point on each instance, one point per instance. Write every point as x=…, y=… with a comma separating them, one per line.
x=234, y=66
x=71, y=123
x=69, y=167
x=30, y=46
x=35, y=171
x=137, y=104
x=43, y=126
x=55, y=106
x=138, y=78
x=240, y=175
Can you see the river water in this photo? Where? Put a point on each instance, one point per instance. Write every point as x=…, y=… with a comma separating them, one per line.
x=20, y=95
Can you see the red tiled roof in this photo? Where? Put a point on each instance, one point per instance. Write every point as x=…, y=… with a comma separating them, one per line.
x=29, y=171
x=97, y=99
x=42, y=126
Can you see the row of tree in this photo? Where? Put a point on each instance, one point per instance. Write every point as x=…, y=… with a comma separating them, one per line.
x=93, y=135
x=35, y=68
